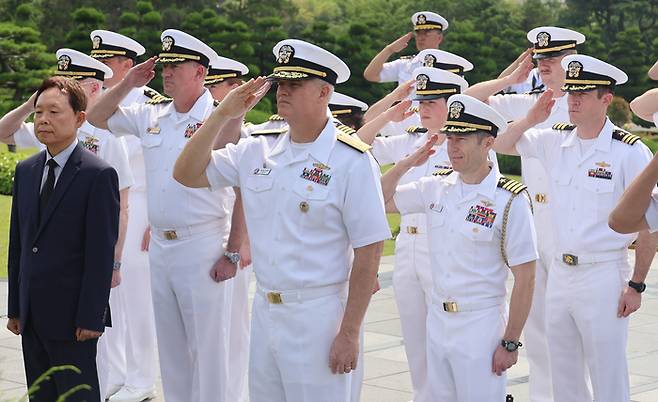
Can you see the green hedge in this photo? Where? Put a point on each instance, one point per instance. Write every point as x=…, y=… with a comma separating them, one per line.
x=8, y=161
x=509, y=164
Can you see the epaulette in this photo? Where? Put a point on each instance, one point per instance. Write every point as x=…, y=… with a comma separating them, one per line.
x=408, y=57
x=151, y=93
x=345, y=129
x=272, y=131
x=535, y=91
x=247, y=124
x=443, y=172
x=510, y=185
x=275, y=117
x=625, y=137
x=416, y=130
x=352, y=141
x=563, y=126
x=159, y=99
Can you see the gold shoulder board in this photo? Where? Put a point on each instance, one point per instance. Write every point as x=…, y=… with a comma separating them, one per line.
x=563, y=126
x=510, y=185
x=352, y=141
x=625, y=137
x=443, y=172
x=276, y=117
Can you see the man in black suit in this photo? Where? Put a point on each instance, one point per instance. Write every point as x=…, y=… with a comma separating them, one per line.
x=64, y=226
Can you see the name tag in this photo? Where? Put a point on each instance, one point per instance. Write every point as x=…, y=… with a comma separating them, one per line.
x=262, y=171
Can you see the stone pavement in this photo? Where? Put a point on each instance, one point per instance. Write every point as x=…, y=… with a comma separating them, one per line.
x=387, y=376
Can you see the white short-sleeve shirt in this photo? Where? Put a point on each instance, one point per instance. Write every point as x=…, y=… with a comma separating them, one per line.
x=305, y=210
x=399, y=70
x=585, y=185
x=465, y=234
x=163, y=133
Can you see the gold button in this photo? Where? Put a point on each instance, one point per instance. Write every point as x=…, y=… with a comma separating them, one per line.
x=303, y=206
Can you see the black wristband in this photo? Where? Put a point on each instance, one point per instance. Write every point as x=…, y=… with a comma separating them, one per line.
x=638, y=286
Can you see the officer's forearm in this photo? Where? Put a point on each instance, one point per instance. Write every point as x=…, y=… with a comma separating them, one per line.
x=379, y=107
x=190, y=167
x=506, y=142
x=371, y=73
x=107, y=104
x=646, y=104
x=645, y=250
x=11, y=122
x=483, y=90
x=362, y=281
x=230, y=134
x=123, y=224
x=238, y=232
x=369, y=131
x=521, y=300
x=391, y=179
x=629, y=214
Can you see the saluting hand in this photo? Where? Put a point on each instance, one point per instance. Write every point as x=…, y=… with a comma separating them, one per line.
x=400, y=43
x=241, y=99
x=400, y=111
x=403, y=90
x=422, y=154
x=141, y=74
x=521, y=72
x=540, y=111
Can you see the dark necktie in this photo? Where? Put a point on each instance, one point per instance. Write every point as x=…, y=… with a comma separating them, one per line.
x=49, y=185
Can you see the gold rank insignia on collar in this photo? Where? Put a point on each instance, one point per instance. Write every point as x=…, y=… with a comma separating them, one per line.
x=273, y=131
x=159, y=99
x=416, y=130
x=443, y=172
x=625, y=137
x=352, y=142
x=510, y=185
x=275, y=117
x=563, y=127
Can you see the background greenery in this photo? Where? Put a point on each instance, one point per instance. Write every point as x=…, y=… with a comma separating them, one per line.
x=490, y=33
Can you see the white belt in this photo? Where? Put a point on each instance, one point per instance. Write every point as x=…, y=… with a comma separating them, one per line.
x=459, y=307
x=183, y=232
x=300, y=295
x=592, y=258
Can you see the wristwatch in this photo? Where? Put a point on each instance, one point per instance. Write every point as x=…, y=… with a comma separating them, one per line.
x=116, y=266
x=638, y=286
x=510, y=346
x=233, y=257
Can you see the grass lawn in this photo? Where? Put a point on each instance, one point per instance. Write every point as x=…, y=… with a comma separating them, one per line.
x=5, y=207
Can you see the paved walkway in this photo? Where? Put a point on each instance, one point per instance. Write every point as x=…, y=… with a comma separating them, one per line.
x=387, y=376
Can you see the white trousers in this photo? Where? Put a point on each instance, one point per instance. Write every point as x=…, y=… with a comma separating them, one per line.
x=140, y=344
x=289, y=353
x=238, y=352
x=111, y=353
x=190, y=317
x=412, y=284
x=460, y=349
x=535, y=341
x=584, y=332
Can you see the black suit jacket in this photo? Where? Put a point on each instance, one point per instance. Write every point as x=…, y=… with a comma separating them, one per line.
x=60, y=266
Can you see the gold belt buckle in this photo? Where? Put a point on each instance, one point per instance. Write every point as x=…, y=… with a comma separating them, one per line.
x=412, y=229
x=170, y=235
x=540, y=198
x=450, y=307
x=570, y=259
x=274, y=298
